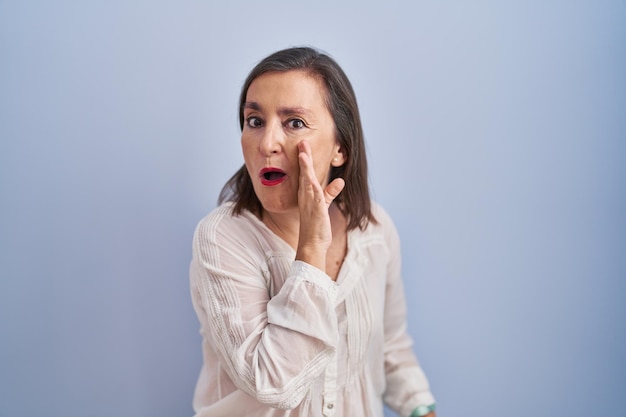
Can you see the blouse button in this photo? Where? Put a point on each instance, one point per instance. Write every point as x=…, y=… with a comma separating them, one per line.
x=330, y=406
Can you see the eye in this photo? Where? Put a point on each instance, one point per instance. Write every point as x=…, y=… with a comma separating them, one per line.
x=296, y=123
x=254, y=122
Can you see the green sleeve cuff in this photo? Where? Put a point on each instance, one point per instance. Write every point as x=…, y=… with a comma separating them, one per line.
x=422, y=410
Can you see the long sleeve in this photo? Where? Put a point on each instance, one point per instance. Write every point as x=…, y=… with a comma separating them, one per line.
x=271, y=347
x=407, y=386
x=280, y=338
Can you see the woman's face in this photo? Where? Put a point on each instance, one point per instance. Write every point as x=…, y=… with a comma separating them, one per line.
x=281, y=110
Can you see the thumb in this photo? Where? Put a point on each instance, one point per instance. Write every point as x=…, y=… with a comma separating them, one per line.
x=333, y=189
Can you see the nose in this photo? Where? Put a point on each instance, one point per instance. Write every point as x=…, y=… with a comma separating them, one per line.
x=272, y=139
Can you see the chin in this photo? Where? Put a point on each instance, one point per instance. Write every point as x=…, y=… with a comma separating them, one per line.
x=275, y=200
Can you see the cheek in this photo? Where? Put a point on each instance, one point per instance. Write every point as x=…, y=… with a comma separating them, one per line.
x=290, y=145
x=247, y=146
x=324, y=153
x=248, y=155
x=322, y=168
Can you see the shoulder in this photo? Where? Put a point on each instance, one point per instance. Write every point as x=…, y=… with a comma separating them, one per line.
x=384, y=223
x=384, y=227
x=382, y=231
x=223, y=228
x=381, y=215
x=222, y=217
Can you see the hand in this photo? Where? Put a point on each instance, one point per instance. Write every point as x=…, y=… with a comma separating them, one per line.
x=313, y=201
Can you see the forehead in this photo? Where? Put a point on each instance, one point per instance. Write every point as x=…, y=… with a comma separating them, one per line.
x=290, y=88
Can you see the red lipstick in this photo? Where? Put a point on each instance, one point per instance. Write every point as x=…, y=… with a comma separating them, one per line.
x=271, y=176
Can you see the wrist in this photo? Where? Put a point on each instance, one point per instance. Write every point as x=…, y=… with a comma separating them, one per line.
x=312, y=256
x=423, y=410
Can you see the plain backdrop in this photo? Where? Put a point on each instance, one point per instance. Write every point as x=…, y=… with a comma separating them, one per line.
x=496, y=134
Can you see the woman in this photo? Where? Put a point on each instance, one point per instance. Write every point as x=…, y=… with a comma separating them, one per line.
x=296, y=276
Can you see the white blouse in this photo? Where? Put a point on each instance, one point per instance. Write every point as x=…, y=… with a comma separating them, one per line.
x=280, y=338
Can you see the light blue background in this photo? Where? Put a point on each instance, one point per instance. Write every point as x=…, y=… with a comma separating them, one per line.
x=496, y=134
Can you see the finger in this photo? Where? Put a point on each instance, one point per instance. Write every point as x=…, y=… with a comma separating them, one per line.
x=307, y=174
x=333, y=189
x=307, y=170
x=306, y=158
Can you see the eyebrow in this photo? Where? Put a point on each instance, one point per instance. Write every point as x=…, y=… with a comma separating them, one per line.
x=284, y=111
x=252, y=105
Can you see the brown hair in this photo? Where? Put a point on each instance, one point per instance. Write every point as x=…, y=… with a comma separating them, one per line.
x=354, y=200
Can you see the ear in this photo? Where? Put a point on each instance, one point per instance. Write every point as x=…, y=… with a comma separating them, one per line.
x=339, y=159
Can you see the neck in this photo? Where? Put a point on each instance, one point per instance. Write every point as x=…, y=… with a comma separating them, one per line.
x=284, y=225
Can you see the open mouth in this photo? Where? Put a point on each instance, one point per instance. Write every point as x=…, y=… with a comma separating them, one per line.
x=272, y=176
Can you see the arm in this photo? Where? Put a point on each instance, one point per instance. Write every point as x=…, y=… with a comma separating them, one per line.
x=315, y=235
x=408, y=391
x=271, y=349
